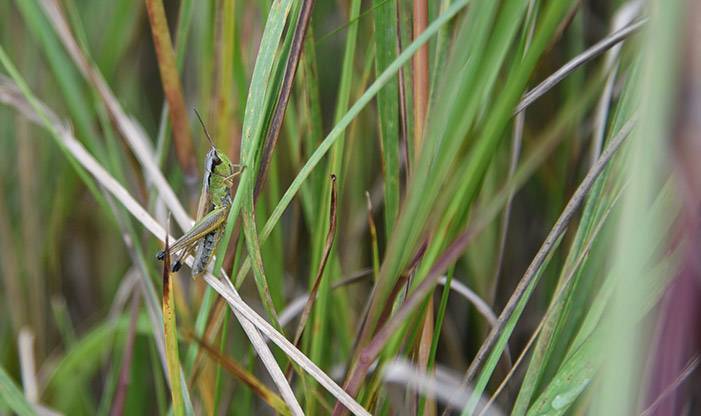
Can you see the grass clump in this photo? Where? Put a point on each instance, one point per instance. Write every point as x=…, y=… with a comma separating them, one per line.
x=520, y=154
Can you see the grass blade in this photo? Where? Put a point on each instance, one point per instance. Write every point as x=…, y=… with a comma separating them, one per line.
x=327, y=250
x=385, y=16
x=170, y=80
x=12, y=396
x=534, y=268
x=300, y=32
x=171, y=336
x=248, y=379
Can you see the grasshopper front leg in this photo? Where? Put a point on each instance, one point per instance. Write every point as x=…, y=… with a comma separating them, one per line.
x=202, y=228
x=229, y=180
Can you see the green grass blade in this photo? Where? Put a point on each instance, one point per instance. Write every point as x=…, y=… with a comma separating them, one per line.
x=500, y=345
x=385, y=16
x=12, y=396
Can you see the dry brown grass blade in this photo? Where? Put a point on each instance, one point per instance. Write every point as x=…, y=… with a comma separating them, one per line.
x=423, y=355
x=210, y=332
x=245, y=376
x=421, y=80
x=173, y=91
x=421, y=76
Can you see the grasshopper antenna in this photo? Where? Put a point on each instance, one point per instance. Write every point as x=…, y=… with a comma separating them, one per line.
x=205, y=128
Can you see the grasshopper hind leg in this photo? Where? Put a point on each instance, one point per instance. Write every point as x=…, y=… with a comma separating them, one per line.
x=205, y=233
x=177, y=264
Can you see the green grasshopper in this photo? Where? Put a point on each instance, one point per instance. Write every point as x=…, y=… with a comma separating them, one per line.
x=212, y=211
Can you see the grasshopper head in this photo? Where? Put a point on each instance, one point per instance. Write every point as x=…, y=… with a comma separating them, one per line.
x=217, y=177
x=217, y=163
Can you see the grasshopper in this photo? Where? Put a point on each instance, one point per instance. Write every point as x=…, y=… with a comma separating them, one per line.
x=213, y=209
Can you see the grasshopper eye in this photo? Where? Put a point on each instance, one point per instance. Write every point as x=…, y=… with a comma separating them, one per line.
x=216, y=161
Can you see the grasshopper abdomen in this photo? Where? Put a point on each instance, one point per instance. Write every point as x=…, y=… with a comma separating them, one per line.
x=205, y=251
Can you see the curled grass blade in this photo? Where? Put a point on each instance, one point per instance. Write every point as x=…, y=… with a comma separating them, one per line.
x=327, y=250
